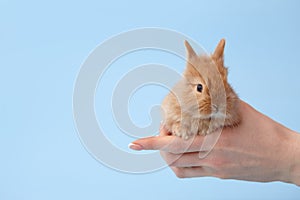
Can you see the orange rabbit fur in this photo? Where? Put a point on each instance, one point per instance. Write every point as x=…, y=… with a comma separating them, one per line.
x=202, y=101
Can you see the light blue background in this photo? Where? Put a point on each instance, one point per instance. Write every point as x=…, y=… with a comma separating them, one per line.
x=43, y=44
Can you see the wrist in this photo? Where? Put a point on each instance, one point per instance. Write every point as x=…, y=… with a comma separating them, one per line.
x=294, y=170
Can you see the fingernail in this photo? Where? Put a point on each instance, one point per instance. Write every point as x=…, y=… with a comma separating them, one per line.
x=135, y=146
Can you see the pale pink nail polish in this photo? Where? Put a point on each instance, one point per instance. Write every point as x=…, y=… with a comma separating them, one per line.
x=135, y=146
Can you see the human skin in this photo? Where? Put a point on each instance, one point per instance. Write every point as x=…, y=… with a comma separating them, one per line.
x=259, y=149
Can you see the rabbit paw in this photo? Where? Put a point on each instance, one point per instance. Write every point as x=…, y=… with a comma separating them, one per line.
x=181, y=131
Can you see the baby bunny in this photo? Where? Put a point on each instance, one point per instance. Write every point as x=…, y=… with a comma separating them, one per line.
x=202, y=101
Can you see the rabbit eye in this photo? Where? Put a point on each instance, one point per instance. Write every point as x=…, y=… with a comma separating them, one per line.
x=199, y=87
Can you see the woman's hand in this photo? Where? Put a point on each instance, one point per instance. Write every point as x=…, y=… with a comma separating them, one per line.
x=259, y=149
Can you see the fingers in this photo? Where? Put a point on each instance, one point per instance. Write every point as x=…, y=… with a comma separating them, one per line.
x=190, y=172
x=172, y=144
x=184, y=160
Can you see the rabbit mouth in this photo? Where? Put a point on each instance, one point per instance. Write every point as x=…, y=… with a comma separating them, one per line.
x=218, y=115
x=214, y=115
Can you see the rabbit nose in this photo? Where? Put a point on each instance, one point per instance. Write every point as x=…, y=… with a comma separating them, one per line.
x=214, y=108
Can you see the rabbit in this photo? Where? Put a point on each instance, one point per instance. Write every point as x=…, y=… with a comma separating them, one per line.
x=202, y=101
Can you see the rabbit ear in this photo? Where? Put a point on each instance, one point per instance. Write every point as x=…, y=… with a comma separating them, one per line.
x=189, y=50
x=219, y=51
